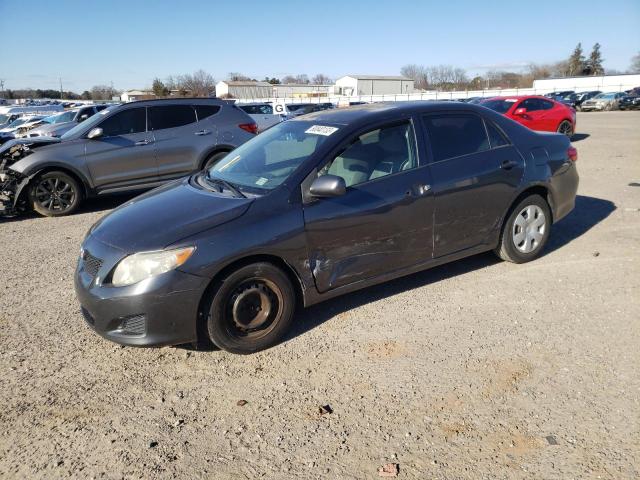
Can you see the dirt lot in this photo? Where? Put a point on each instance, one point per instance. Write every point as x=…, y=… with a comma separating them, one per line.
x=478, y=369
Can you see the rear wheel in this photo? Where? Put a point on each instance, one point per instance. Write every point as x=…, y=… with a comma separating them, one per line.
x=526, y=230
x=565, y=128
x=251, y=309
x=213, y=159
x=55, y=194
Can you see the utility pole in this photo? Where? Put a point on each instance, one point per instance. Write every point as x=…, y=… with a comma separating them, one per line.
x=60, y=78
x=2, y=87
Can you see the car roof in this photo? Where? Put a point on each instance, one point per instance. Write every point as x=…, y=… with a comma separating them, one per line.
x=177, y=101
x=379, y=111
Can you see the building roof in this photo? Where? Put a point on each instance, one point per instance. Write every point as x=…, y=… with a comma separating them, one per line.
x=379, y=77
x=245, y=83
x=139, y=92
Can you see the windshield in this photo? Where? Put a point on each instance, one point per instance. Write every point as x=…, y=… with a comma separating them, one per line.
x=89, y=123
x=4, y=118
x=19, y=121
x=61, y=117
x=499, y=105
x=267, y=160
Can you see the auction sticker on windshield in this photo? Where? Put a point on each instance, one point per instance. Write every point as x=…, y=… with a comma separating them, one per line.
x=321, y=130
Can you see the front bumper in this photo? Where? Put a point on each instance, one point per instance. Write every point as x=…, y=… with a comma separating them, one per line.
x=158, y=311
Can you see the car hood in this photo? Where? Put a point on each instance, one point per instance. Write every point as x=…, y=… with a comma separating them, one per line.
x=28, y=141
x=53, y=127
x=166, y=215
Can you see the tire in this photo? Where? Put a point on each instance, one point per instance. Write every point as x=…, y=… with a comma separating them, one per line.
x=525, y=233
x=55, y=194
x=251, y=309
x=565, y=128
x=213, y=159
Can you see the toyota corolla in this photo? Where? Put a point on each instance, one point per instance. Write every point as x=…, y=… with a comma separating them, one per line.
x=316, y=207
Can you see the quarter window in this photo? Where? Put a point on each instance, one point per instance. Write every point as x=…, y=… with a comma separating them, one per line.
x=455, y=135
x=170, y=116
x=205, y=111
x=125, y=123
x=375, y=154
x=496, y=138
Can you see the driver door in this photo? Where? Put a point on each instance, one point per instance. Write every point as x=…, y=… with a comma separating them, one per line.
x=383, y=222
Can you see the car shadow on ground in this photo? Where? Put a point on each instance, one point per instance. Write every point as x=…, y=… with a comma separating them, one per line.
x=588, y=212
x=576, y=137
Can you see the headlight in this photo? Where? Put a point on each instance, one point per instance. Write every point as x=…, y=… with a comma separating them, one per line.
x=137, y=267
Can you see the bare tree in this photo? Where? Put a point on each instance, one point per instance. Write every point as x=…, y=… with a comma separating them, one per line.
x=418, y=74
x=198, y=84
x=102, y=92
x=635, y=64
x=237, y=77
x=321, y=79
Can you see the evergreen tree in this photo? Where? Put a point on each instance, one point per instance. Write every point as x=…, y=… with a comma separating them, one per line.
x=577, y=62
x=595, y=61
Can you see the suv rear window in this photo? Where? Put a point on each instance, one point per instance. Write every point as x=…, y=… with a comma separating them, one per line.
x=455, y=135
x=205, y=111
x=170, y=116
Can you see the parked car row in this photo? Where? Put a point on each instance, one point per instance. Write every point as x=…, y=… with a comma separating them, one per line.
x=266, y=114
x=597, y=100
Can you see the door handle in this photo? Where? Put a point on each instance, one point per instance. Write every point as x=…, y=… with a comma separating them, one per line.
x=142, y=142
x=203, y=132
x=508, y=164
x=418, y=190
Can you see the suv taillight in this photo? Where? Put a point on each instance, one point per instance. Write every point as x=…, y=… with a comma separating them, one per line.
x=572, y=153
x=249, y=127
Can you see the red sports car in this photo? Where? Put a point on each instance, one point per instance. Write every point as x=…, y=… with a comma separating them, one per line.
x=535, y=112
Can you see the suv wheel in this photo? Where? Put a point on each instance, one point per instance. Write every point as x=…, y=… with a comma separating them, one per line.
x=251, y=309
x=55, y=194
x=526, y=230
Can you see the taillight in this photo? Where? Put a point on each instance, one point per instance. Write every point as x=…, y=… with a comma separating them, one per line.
x=249, y=127
x=572, y=153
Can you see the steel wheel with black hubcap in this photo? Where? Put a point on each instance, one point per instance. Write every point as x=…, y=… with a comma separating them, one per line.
x=251, y=309
x=54, y=194
x=525, y=231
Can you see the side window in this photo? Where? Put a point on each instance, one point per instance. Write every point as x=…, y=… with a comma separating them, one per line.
x=531, y=104
x=266, y=109
x=375, y=154
x=205, y=111
x=545, y=104
x=496, y=138
x=455, y=135
x=86, y=113
x=125, y=123
x=170, y=116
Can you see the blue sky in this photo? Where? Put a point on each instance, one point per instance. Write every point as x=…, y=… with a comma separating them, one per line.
x=131, y=42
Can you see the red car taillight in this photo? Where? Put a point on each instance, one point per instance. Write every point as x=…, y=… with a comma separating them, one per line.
x=572, y=153
x=249, y=127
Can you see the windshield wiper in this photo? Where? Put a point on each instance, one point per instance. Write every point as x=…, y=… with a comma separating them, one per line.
x=228, y=185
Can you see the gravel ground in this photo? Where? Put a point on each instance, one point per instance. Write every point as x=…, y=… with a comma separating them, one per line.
x=477, y=369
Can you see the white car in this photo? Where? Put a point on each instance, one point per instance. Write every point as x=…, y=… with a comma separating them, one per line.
x=263, y=114
x=21, y=126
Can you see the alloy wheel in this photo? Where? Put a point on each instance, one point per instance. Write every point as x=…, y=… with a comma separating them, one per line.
x=54, y=194
x=565, y=128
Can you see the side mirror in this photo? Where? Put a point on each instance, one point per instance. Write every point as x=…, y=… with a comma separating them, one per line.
x=95, y=133
x=520, y=111
x=328, y=186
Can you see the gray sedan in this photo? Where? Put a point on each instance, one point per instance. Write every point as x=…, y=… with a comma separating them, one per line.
x=58, y=125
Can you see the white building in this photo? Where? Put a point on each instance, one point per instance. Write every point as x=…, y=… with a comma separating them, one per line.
x=606, y=83
x=291, y=90
x=244, y=89
x=373, y=85
x=133, y=95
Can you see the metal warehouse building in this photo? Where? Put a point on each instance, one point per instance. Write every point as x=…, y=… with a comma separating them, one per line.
x=373, y=85
x=245, y=89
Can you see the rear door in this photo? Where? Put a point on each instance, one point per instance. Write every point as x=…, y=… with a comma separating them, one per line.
x=534, y=117
x=124, y=154
x=474, y=171
x=384, y=221
x=177, y=138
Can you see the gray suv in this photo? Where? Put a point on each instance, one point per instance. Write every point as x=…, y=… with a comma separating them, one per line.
x=137, y=145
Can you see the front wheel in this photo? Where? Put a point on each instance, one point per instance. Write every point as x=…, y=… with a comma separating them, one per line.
x=251, y=309
x=55, y=194
x=526, y=230
x=565, y=128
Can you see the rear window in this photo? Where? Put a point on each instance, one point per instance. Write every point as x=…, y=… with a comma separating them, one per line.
x=499, y=105
x=496, y=138
x=170, y=116
x=455, y=135
x=205, y=111
x=257, y=109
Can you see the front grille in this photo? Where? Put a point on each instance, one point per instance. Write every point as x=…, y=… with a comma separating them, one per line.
x=134, y=325
x=91, y=264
